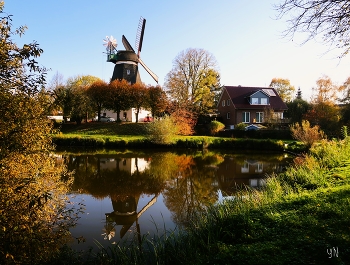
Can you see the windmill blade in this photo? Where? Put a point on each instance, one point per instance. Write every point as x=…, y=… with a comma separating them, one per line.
x=113, y=42
x=110, y=43
x=127, y=45
x=149, y=204
x=139, y=35
x=154, y=76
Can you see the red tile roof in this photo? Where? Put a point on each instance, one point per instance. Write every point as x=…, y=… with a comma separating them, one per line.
x=240, y=96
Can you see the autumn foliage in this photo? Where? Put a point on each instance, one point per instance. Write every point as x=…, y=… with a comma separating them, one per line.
x=306, y=134
x=34, y=221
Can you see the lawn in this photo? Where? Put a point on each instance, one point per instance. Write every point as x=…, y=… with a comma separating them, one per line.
x=104, y=129
x=134, y=135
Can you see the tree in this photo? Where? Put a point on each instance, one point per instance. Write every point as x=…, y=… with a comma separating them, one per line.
x=98, y=94
x=284, y=89
x=33, y=217
x=325, y=91
x=345, y=100
x=53, y=86
x=82, y=106
x=139, y=95
x=324, y=112
x=326, y=18
x=194, y=80
x=297, y=109
x=64, y=99
x=157, y=100
x=73, y=99
x=345, y=89
x=119, y=96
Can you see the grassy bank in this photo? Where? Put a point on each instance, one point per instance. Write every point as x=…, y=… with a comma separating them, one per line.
x=132, y=135
x=302, y=216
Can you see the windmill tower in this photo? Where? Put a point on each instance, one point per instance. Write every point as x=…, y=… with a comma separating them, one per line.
x=126, y=61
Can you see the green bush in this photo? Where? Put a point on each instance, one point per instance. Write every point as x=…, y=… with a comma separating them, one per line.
x=241, y=126
x=306, y=134
x=161, y=131
x=215, y=127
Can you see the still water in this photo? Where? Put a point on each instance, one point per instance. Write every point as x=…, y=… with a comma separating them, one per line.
x=128, y=195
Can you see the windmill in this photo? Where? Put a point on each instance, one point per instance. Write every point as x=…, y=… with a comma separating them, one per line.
x=126, y=61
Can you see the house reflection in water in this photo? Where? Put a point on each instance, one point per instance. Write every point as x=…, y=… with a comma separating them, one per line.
x=235, y=173
x=130, y=165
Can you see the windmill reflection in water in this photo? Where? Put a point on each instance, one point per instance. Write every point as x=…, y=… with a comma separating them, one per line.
x=125, y=202
x=125, y=214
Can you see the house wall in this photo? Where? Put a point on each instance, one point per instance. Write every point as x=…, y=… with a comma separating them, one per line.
x=253, y=118
x=128, y=115
x=127, y=164
x=252, y=112
x=228, y=108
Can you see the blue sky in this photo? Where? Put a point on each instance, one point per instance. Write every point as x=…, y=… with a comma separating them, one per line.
x=244, y=37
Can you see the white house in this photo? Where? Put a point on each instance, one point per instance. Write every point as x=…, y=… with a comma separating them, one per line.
x=127, y=115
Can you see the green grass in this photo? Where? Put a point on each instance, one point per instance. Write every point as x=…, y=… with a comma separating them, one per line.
x=134, y=135
x=103, y=129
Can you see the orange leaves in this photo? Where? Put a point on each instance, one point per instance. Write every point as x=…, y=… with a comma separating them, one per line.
x=184, y=120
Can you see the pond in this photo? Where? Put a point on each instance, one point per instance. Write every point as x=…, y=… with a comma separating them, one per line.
x=130, y=194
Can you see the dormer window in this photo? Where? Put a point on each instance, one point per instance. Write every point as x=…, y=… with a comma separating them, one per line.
x=259, y=98
x=255, y=101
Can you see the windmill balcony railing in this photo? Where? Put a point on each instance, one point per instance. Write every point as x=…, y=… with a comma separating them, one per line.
x=112, y=57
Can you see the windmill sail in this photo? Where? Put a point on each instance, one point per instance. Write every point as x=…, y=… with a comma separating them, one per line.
x=126, y=44
x=139, y=35
x=154, y=76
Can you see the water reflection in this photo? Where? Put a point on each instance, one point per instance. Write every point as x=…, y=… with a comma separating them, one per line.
x=161, y=188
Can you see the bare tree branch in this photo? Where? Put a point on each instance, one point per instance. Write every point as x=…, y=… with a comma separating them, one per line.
x=327, y=19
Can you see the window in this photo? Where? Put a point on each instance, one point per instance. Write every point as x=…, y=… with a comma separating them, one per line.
x=259, y=117
x=258, y=101
x=263, y=101
x=228, y=116
x=228, y=102
x=246, y=117
x=255, y=101
x=278, y=115
x=223, y=103
x=259, y=168
x=245, y=167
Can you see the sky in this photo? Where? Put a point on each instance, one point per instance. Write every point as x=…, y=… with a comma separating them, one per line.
x=244, y=36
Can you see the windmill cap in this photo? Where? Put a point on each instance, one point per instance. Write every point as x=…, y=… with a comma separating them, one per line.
x=127, y=56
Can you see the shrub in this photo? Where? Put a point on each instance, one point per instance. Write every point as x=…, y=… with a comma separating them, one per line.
x=161, y=131
x=306, y=134
x=215, y=127
x=241, y=126
x=184, y=120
